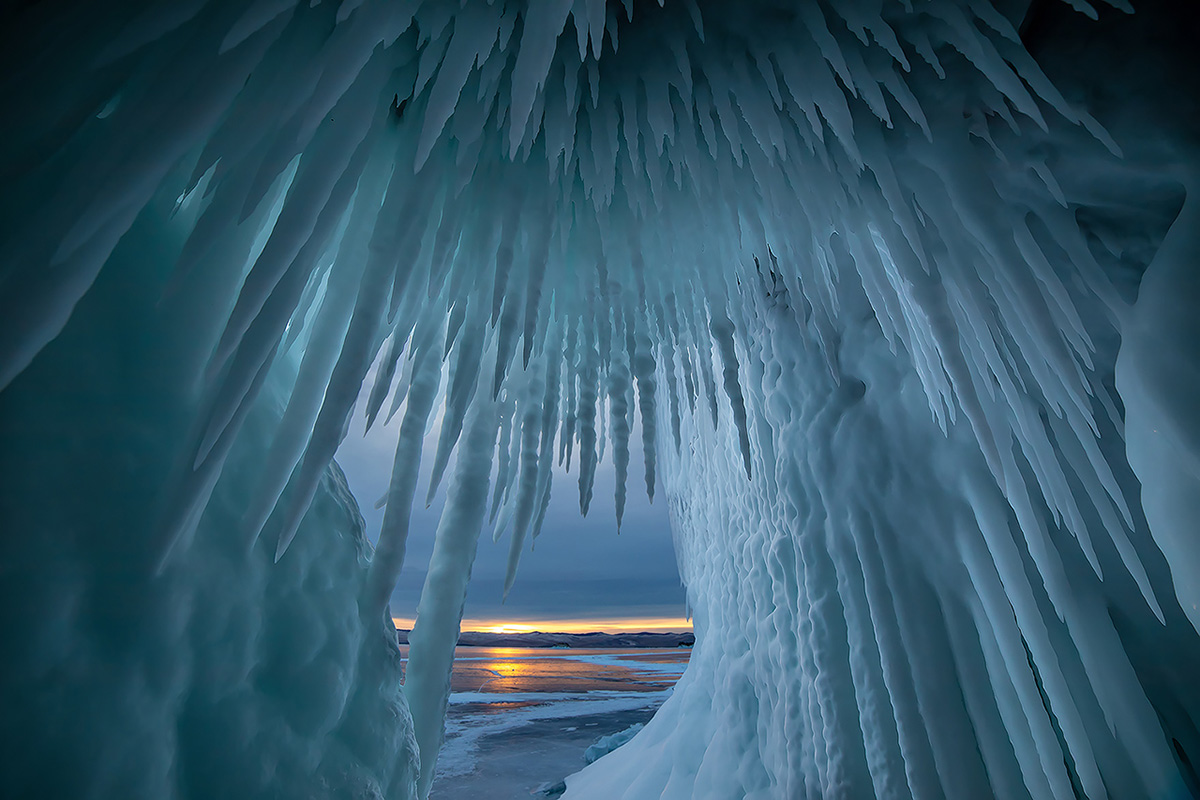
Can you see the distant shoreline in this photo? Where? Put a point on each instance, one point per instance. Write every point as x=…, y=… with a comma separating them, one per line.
x=569, y=640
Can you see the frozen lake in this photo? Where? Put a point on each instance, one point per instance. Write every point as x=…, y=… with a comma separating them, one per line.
x=520, y=718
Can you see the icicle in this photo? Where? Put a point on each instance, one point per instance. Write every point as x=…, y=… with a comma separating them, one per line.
x=306, y=309
x=315, y=201
x=668, y=368
x=1011, y=570
x=585, y=420
x=393, y=534
x=458, y=397
x=384, y=377
x=320, y=355
x=533, y=295
x=506, y=342
x=570, y=405
x=263, y=334
x=1000, y=622
x=619, y=389
x=445, y=245
x=509, y=231
x=644, y=369
x=550, y=415
x=543, y=22
x=38, y=301
x=475, y=32
x=722, y=331
x=505, y=456
x=527, y=485
x=355, y=359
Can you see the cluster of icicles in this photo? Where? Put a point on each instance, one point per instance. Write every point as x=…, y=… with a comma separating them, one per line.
x=543, y=215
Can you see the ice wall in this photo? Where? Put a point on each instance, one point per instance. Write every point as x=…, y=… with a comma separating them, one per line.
x=870, y=275
x=218, y=674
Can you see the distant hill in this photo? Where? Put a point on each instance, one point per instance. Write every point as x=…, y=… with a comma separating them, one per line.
x=572, y=640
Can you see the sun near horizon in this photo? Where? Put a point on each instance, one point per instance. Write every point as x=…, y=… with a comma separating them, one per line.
x=612, y=625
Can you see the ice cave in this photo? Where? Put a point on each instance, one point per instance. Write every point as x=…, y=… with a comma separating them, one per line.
x=892, y=298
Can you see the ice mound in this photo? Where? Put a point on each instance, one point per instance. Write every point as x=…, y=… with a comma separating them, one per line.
x=222, y=674
x=606, y=744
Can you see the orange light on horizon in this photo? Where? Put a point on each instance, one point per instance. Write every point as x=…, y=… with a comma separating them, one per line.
x=617, y=625
x=507, y=628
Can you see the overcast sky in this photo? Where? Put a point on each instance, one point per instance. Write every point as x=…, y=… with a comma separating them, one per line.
x=580, y=568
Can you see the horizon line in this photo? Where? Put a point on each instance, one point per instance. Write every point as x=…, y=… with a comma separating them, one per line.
x=544, y=625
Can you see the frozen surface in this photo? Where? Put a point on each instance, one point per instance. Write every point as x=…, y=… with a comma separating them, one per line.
x=521, y=718
x=900, y=297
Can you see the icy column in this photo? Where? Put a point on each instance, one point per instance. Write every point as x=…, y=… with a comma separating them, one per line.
x=1158, y=375
x=439, y=613
x=871, y=615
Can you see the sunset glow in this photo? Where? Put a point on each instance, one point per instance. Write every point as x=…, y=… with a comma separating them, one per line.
x=621, y=625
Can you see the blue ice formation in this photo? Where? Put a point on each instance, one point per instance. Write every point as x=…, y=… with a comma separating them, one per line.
x=901, y=291
x=606, y=744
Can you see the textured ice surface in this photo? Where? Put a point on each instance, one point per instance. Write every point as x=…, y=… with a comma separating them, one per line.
x=606, y=744
x=221, y=674
x=901, y=293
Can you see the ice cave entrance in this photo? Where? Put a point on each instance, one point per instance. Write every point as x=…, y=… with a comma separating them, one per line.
x=892, y=301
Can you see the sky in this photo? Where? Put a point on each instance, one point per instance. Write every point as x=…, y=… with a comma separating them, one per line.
x=580, y=575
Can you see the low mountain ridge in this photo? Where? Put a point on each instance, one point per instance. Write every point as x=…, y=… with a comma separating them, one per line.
x=569, y=640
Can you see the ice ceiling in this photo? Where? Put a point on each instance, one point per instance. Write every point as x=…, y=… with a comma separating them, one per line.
x=902, y=294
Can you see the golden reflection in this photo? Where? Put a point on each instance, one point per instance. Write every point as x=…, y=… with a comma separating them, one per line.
x=508, y=669
x=617, y=625
x=502, y=671
x=508, y=627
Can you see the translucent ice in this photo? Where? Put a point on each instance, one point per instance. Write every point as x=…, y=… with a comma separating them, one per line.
x=901, y=296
